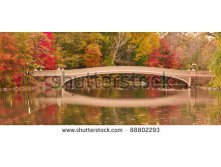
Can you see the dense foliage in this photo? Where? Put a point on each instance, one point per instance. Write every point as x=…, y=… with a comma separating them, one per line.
x=11, y=64
x=163, y=57
x=21, y=53
x=216, y=63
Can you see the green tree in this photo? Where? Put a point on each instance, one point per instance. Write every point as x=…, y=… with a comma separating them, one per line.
x=216, y=63
x=69, y=47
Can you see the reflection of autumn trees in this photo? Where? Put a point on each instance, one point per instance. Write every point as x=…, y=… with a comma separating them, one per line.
x=152, y=93
x=47, y=115
x=92, y=115
x=23, y=108
x=20, y=108
x=215, y=112
x=8, y=102
x=13, y=105
x=164, y=115
x=73, y=116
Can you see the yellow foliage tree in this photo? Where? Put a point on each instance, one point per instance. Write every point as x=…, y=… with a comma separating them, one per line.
x=144, y=43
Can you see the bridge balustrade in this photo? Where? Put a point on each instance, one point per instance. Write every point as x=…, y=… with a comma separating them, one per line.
x=122, y=69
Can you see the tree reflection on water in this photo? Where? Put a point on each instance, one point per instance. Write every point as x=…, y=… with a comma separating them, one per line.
x=38, y=108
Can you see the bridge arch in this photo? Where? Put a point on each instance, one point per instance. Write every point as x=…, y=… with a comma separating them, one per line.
x=186, y=81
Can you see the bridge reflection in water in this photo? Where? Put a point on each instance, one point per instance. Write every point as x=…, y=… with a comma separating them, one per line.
x=53, y=107
x=180, y=97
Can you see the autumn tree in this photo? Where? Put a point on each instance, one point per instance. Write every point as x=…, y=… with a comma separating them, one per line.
x=92, y=56
x=26, y=42
x=71, y=47
x=129, y=48
x=11, y=64
x=192, y=48
x=143, y=43
x=118, y=41
x=163, y=57
x=43, y=52
x=11, y=70
x=8, y=44
x=37, y=48
x=216, y=63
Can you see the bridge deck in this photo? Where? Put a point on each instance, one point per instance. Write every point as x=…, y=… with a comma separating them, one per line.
x=122, y=69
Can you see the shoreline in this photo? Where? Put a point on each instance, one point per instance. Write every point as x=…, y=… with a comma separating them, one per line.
x=27, y=88
x=23, y=89
x=208, y=88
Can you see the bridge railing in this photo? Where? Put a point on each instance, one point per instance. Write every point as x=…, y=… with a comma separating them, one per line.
x=47, y=73
x=204, y=73
x=122, y=69
x=129, y=69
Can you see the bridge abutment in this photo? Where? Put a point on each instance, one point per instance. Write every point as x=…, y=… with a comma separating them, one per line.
x=189, y=82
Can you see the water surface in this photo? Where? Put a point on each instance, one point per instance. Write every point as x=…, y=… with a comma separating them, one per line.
x=111, y=107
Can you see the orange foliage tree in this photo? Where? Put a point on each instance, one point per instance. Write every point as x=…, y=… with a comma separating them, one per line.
x=11, y=64
x=92, y=56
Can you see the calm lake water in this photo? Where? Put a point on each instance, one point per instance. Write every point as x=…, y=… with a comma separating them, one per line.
x=111, y=107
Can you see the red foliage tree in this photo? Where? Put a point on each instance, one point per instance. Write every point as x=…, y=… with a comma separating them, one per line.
x=11, y=69
x=163, y=57
x=44, y=52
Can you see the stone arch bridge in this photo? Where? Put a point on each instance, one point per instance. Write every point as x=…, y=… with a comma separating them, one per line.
x=186, y=76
